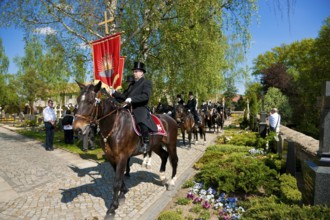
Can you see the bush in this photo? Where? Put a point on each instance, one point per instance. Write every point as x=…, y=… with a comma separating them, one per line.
x=236, y=172
x=289, y=190
x=169, y=215
x=272, y=208
x=30, y=123
x=188, y=184
x=183, y=201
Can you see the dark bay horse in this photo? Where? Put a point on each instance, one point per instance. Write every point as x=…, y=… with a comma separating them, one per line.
x=119, y=140
x=219, y=119
x=186, y=123
x=214, y=119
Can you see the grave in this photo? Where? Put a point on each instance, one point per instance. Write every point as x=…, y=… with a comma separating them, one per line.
x=316, y=176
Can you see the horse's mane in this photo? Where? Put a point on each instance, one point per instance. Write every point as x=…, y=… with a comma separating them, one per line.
x=110, y=100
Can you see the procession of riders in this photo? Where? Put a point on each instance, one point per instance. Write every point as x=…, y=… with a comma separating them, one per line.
x=213, y=113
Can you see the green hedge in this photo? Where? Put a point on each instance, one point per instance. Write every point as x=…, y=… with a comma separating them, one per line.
x=236, y=172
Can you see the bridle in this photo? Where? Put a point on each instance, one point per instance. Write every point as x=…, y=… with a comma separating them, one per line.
x=94, y=117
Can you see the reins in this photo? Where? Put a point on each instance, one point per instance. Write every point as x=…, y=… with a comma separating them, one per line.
x=97, y=121
x=93, y=118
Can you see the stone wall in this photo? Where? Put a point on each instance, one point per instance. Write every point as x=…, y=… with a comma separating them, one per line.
x=306, y=146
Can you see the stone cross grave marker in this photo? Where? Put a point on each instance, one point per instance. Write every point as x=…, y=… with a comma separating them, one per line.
x=324, y=147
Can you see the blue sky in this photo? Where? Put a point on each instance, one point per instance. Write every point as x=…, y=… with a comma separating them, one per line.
x=274, y=29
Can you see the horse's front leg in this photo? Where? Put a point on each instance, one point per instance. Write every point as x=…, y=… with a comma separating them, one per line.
x=183, y=132
x=128, y=168
x=117, y=186
x=147, y=160
x=189, y=138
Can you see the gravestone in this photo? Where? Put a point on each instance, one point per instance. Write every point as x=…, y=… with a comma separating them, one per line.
x=21, y=116
x=317, y=176
x=291, y=159
x=324, y=150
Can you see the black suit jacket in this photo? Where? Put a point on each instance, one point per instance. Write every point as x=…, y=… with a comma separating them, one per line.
x=140, y=93
x=191, y=105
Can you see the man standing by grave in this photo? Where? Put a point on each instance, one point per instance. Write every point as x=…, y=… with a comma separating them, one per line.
x=274, y=121
x=50, y=121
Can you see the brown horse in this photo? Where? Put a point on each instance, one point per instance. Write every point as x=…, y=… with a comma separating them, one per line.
x=219, y=119
x=202, y=128
x=119, y=140
x=186, y=123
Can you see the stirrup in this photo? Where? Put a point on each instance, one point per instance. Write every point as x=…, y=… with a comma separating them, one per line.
x=145, y=148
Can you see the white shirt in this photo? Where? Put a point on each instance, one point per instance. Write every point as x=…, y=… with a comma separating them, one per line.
x=49, y=114
x=274, y=120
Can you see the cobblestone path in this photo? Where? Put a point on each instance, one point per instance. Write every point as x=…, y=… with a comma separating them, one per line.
x=39, y=184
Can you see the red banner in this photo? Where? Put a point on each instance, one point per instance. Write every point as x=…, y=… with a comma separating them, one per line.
x=106, y=58
x=117, y=80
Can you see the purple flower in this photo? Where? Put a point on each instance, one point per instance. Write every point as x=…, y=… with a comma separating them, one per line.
x=190, y=195
x=197, y=200
x=206, y=205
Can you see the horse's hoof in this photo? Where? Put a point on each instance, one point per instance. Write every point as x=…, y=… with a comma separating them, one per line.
x=110, y=216
x=122, y=200
x=169, y=187
x=164, y=182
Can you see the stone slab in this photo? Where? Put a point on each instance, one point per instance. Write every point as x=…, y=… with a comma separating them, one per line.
x=316, y=184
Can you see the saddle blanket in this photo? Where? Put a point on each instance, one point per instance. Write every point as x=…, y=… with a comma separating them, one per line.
x=159, y=124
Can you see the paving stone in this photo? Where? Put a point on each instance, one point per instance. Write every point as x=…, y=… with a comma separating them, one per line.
x=60, y=185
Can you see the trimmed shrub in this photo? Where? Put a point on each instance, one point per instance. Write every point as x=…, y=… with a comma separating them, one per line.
x=289, y=190
x=236, y=172
x=272, y=208
x=183, y=201
x=170, y=215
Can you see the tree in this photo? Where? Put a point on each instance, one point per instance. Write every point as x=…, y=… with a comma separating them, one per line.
x=274, y=98
x=230, y=93
x=305, y=65
x=170, y=36
x=8, y=95
x=41, y=72
x=253, y=94
x=4, y=63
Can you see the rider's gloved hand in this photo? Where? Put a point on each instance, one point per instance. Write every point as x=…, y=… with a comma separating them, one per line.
x=112, y=90
x=128, y=100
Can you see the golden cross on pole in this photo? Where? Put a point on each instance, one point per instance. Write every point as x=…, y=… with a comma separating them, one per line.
x=106, y=21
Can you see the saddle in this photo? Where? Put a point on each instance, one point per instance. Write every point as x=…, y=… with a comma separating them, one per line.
x=157, y=121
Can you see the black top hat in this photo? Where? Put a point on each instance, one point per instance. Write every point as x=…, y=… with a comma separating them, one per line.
x=190, y=93
x=130, y=79
x=178, y=96
x=139, y=66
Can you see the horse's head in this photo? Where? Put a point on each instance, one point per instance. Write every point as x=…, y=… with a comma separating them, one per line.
x=180, y=113
x=87, y=106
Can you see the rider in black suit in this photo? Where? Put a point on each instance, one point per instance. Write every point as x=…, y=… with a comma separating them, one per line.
x=191, y=106
x=138, y=95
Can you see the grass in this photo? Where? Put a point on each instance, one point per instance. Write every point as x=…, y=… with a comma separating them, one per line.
x=39, y=134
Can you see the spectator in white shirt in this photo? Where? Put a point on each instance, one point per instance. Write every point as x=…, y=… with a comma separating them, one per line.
x=50, y=121
x=274, y=121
